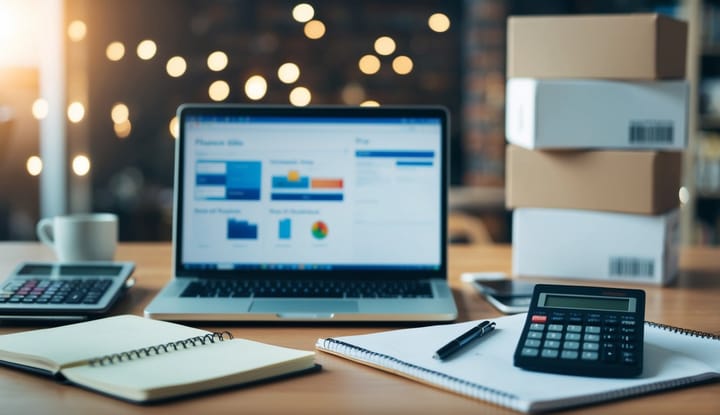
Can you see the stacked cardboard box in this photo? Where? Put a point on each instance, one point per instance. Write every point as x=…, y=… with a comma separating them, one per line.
x=596, y=119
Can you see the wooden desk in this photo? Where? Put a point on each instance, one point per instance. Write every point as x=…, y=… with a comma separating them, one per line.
x=344, y=387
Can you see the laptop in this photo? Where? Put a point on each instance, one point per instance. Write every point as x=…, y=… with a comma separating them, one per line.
x=309, y=214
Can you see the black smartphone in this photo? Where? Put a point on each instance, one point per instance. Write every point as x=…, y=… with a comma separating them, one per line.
x=507, y=295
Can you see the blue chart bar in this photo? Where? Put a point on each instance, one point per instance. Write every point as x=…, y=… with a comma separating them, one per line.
x=394, y=154
x=414, y=163
x=228, y=180
x=243, y=180
x=241, y=229
x=282, y=182
x=284, y=228
x=311, y=197
x=210, y=179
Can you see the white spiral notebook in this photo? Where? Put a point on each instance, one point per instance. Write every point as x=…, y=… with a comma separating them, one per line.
x=673, y=358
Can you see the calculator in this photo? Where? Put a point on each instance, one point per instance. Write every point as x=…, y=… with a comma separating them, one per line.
x=63, y=291
x=581, y=330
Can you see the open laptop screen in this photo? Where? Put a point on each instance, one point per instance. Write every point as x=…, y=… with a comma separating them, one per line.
x=275, y=188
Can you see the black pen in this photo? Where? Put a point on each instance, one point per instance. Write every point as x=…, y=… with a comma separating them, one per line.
x=465, y=338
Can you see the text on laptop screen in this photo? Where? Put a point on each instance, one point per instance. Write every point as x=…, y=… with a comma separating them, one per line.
x=273, y=192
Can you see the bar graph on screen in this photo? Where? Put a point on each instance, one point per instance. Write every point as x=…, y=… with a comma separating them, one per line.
x=241, y=229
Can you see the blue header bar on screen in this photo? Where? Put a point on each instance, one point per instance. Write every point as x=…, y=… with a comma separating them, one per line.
x=279, y=119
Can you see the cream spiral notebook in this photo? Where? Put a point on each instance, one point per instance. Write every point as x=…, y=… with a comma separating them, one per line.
x=141, y=360
x=484, y=370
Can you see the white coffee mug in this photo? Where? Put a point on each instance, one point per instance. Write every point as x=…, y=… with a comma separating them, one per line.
x=80, y=237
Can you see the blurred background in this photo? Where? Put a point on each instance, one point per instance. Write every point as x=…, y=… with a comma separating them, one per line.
x=89, y=89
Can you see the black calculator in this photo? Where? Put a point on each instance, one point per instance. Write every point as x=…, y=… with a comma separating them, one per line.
x=581, y=330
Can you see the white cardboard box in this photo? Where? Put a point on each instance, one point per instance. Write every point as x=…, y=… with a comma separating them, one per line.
x=557, y=114
x=595, y=245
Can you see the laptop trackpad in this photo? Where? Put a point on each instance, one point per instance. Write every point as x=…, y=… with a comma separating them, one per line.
x=292, y=307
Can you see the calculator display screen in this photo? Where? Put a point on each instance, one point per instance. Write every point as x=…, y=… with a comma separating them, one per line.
x=586, y=302
x=90, y=270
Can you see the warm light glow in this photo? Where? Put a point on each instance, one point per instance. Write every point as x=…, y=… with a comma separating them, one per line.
x=119, y=113
x=34, y=165
x=123, y=129
x=684, y=195
x=314, y=29
x=219, y=90
x=384, y=45
x=22, y=30
x=369, y=64
x=255, y=87
x=288, y=72
x=77, y=29
x=81, y=165
x=300, y=96
x=176, y=66
x=439, y=22
x=115, y=51
x=353, y=94
x=76, y=112
x=40, y=109
x=217, y=61
x=303, y=12
x=174, y=127
x=402, y=65
x=146, y=49
x=370, y=103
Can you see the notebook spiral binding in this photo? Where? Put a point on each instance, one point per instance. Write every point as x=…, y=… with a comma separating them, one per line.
x=161, y=348
x=680, y=330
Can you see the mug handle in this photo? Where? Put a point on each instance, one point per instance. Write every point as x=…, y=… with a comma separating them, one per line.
x=44, y=231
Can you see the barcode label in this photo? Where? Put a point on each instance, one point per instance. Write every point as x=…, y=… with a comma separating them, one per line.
x=651, y=132
x=631, y=267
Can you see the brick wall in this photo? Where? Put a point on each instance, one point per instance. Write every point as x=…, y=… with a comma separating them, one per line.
x=484, y=93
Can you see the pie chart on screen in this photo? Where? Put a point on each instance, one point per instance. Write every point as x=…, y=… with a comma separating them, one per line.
x=319, y=230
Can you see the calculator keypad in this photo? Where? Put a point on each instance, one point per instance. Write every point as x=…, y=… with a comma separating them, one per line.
x=49, y=292
x=584, y=337
x=583, y=330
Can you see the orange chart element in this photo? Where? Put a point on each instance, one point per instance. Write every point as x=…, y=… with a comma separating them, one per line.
x=326, y=183
x=293, y=176
x=319, y=230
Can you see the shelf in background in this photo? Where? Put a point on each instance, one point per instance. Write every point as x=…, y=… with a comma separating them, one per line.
x=710, y=122
x=708, y=194
x=476, y=198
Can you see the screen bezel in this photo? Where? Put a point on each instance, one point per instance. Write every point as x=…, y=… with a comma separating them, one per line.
x=190, y=110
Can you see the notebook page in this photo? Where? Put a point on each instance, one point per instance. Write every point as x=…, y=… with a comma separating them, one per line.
x=188, y=370
x=703, y=349
x=80, y=342
x=488, y=362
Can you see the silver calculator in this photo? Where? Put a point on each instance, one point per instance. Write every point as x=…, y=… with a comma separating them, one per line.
x=63, y=291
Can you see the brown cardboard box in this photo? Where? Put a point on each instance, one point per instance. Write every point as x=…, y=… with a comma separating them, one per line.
x=620, y=46
x=645, y=182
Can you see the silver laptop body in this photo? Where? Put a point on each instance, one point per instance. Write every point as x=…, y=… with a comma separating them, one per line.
x=299, y=214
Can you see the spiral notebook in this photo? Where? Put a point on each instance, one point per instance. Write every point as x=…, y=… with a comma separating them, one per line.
x=674, y=357
x=143, y=360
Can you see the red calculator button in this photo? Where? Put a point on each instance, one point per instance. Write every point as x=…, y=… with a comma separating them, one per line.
x=538, y=319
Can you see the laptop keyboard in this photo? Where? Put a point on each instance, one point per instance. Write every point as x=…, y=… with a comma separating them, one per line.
x=309, y=289
x=34, y=291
